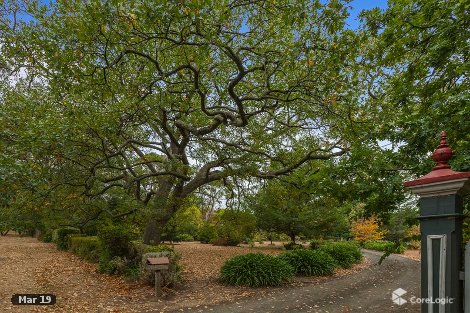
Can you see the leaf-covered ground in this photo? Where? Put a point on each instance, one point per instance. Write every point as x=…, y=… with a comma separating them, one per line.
x=30, y=266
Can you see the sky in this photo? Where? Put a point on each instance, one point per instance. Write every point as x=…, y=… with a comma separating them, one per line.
x=352, y=21
x=359, y=5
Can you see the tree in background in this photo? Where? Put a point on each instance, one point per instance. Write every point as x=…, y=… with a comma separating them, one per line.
x=293, y=206
x=161, y=98
x=233, y=227
x=402, y=225
x=185, y=224
x=367, y=230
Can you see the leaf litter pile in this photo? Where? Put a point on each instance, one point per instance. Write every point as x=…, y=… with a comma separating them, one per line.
x=30, y=266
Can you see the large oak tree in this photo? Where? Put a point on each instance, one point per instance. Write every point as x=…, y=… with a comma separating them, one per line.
x=159, y=98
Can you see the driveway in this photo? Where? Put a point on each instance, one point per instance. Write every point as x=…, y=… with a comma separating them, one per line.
x=369, y=291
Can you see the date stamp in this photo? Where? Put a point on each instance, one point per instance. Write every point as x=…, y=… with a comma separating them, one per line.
x=33, y=299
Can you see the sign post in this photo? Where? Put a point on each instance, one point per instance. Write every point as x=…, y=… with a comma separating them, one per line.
x=441, y=195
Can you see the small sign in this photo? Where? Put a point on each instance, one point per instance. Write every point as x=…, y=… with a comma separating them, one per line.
x=33, y=299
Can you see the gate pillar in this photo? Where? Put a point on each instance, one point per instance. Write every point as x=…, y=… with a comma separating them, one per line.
x=441, y=195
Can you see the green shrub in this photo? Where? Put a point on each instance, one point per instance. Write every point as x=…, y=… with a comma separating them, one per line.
x=317, y=243
x=256, y=270
x=385, y=246
x=310, y=262
x=293, y=246
x=87, y=248
x=207, y=233
x=138, y=249
x=46, y=236
x=59, y=236
x=184, y=237
x=115, y=240
x=346, y=254
x=115, y=249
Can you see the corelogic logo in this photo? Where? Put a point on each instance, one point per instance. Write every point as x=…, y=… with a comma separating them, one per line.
x=397, y=296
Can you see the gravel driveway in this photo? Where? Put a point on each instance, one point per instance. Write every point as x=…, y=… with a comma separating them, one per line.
x=368, y=291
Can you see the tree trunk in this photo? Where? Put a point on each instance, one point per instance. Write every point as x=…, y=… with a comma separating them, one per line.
x=292, y=237
x=153, y=232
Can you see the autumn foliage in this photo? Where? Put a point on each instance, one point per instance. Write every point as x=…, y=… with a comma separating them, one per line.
x=366, y=230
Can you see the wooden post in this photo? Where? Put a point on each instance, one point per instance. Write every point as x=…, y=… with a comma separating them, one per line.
x=158, y=264
x=158, y=283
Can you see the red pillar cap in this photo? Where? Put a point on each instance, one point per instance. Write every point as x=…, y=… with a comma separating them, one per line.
x=442, y=171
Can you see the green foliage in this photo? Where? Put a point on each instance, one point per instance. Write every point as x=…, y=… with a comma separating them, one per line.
x=346, y=254
x=137, y=252
x=86, y=247
x=60, y=236
x=419, y=52
x=207, y=233
x=184, y=237
x=142, y=248
x=399, y=224
x=317, y=243
x=184, y=225
x=256, y=270
x=297, y=206
x=115, y=240
x=198, y=94
x=234, y=227
x=293, y=246
x=383, y=245
x=46, y=236
x=310, y=262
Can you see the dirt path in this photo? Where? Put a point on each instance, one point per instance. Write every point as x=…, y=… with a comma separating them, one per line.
x=30, y=266
x=368, y=291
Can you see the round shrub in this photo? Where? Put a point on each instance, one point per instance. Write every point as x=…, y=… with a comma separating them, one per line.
x=256, y=270
x=310, y=262
x=346, y=254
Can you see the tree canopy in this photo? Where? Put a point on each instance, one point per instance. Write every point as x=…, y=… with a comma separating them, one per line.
x=159, y=98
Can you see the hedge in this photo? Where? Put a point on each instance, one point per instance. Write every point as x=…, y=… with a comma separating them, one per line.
x=59, y=236
x=87, y=248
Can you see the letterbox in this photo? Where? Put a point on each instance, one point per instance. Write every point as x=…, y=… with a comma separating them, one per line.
x=158, y=264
